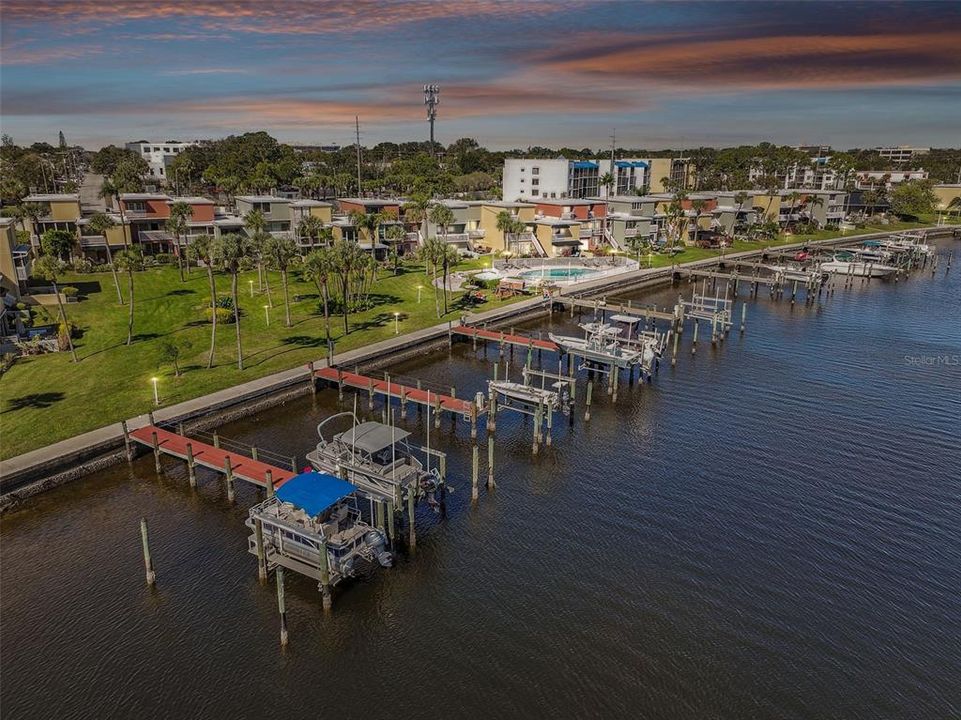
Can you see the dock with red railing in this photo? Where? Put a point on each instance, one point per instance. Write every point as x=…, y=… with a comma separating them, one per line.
x=504, y=338
x=225, y=460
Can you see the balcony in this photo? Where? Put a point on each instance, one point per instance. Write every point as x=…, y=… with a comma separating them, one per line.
x=477, y=234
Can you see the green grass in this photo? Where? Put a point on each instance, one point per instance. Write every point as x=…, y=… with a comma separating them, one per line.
x=49, y=398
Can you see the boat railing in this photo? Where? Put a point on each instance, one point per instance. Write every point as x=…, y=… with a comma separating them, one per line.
x=233, y=445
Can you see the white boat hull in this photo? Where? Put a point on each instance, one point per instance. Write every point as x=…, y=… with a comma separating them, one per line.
x=857, y=269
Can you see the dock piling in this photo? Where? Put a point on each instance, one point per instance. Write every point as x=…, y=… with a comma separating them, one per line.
x=229, y=473
x=126, y=441
x=475, y=462
x=590, y=393
x=156, y=450
x=261, y=555
x=147, y=561
x=490, y=463
x=269, y=477
x=281, y=606
x=411, y=530
x=191, y=470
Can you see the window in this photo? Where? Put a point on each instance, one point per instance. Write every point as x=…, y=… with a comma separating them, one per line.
x=161, y=171
x=553, y=194
x=264, y=207
x=166, y=149
x=534, y=193
x=535, y=182
x=522, y=179
x=523, y=169
x=535, y=171
x=176, y=150
x=146, y=150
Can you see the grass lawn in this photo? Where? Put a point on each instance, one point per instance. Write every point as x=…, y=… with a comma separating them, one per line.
x=48, y=398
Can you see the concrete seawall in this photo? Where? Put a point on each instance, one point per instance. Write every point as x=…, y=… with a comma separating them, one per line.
x=25, y=475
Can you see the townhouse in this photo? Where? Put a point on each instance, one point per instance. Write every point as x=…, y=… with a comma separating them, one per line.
x=14, y=260
x=888, y=179
x=825, y=207
x=59, y=212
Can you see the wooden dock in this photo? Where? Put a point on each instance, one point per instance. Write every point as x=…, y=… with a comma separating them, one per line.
x=404, y=393
x=196, y=452
x=504, y=338
x=603, y=306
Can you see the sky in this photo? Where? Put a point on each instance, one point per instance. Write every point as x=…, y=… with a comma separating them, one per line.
x=512, y=73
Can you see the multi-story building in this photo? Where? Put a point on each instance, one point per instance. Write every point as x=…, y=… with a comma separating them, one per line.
x=902, y=153
x=817, y=174
x=630, y=219
x=590, y=214
x=276, y=210
x=524, y=242
x=60, y=212
x=559, y=178
x=826, y=207
x=14, y=259
x=887, y=178
x=159, y=155
x=464, y=232
x=734, y=212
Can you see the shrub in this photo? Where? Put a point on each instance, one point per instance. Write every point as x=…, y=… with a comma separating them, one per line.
x=82, y=265
x=163, y=258
x=69, y=291
x=247, y=264
x=224, y=315
x=226, y=302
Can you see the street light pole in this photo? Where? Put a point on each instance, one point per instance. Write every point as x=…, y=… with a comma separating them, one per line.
x=396, y=323
x=267, y=314
x=156, y=393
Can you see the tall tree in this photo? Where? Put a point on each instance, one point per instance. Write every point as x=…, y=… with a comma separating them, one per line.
x=48, y=268
x=101, y=223
x=432, y=253
x=318, y=267
x=310, y=228
x=58, y=243
x=129, y=260
x=280, y=252
x=256, y=225
x=607, y=181
x=177, y=223
x=697, y=206
x=346, y=258
x=232, y=248
x=205, y=249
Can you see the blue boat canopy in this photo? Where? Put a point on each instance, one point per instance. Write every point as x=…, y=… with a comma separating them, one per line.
x=584, y=165
x=314, y=492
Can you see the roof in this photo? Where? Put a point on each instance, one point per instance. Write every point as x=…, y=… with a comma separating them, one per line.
x=371, y=437
x=630, y=163
x=556, y=222
x=4, y=221
x=53, y=197
x=144, y=196
x=310, y=203
x=196, y=200
x=314, y=492
x=369, y=202
x=508, y=204
x=262, y=199
x=572, y=202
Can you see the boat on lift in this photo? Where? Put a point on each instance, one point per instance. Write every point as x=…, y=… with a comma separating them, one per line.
x=312, y=515
x=377, y=458
x=794, y=271
x=601, y=344
x=910, y=243
x=849, y=264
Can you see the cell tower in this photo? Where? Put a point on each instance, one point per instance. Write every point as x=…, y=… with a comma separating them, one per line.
x=431, y=100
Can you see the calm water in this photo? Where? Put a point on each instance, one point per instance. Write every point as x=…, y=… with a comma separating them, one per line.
x=770, y=530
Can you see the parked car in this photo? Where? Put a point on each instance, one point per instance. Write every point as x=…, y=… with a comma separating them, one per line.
x=712, y=239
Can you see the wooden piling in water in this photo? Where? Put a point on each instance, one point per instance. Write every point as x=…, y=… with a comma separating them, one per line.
x=261, y=554
x=128, y=448
x=327, y=598
x=281, y=606
x=229, y=472
x=590, y=392
x=216, y=438
x=490, y=463
x=147, y=560
x=411, y=531
x=694, y=339
x=269, y=477
x=474, y=471
x=191, y=470
x=156, y=451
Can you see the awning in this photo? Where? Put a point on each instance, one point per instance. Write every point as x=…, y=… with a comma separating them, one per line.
x=565, y=241
x=371, y=437
x=314, y=492
x=584, y=165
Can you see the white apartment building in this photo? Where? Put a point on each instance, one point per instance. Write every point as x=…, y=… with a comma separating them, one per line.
x=159, y=154
x=553, y=178
x=887, y=178
x=816, y=175
x=902, y=153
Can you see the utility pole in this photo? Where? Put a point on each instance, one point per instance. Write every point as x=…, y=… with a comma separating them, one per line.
x=431, y=100
x=611, y=190
x=357, y=130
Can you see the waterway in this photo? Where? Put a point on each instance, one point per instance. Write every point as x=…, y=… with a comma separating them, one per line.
x=772, y=529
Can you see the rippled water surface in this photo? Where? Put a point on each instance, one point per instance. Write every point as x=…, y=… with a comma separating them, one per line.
x=770, y=530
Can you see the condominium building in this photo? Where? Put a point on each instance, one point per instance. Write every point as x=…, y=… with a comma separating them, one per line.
x=559, y=178
x=887, y=178
x=817, y=174
x=159, y=154
x=902, y=153
x=275, y=210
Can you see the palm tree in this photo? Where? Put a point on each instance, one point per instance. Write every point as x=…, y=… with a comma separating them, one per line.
x=449, y=259
x=48, y=268
x=346, y=257
x=395, y=234
x=697, y=206
x=607, y=181
x=256, y=223
x=180, y=212
x=310, y=227
x=506, y=224
x=205, y=249
x=954, y=205
x=432, y=253
x=415, y=210
x=101, y=223
x=231, y=249
x=33, y=212
x=318, y=266
x=280, y=251
x=812, y=202
x=442, y=216
x=740, y=198
x=129, y=260
x=109, y=190
x=57, y=243
x=793, y=197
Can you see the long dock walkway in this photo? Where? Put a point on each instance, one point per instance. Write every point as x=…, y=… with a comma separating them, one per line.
x=502, y=337
x=404, y=393
x=208, y=456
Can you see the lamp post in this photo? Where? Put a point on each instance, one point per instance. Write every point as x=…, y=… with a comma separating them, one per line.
x=419, y=288
x=156, y=393
x=396, y=323
x=267, y=314
x=251, y=287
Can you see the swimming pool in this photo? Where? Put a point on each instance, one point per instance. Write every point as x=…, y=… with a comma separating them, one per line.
x=557, y=273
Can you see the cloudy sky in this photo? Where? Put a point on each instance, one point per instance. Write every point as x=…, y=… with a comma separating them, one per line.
x=512, y=72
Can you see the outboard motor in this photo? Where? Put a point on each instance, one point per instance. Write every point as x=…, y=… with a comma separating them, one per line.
x=377, y=543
